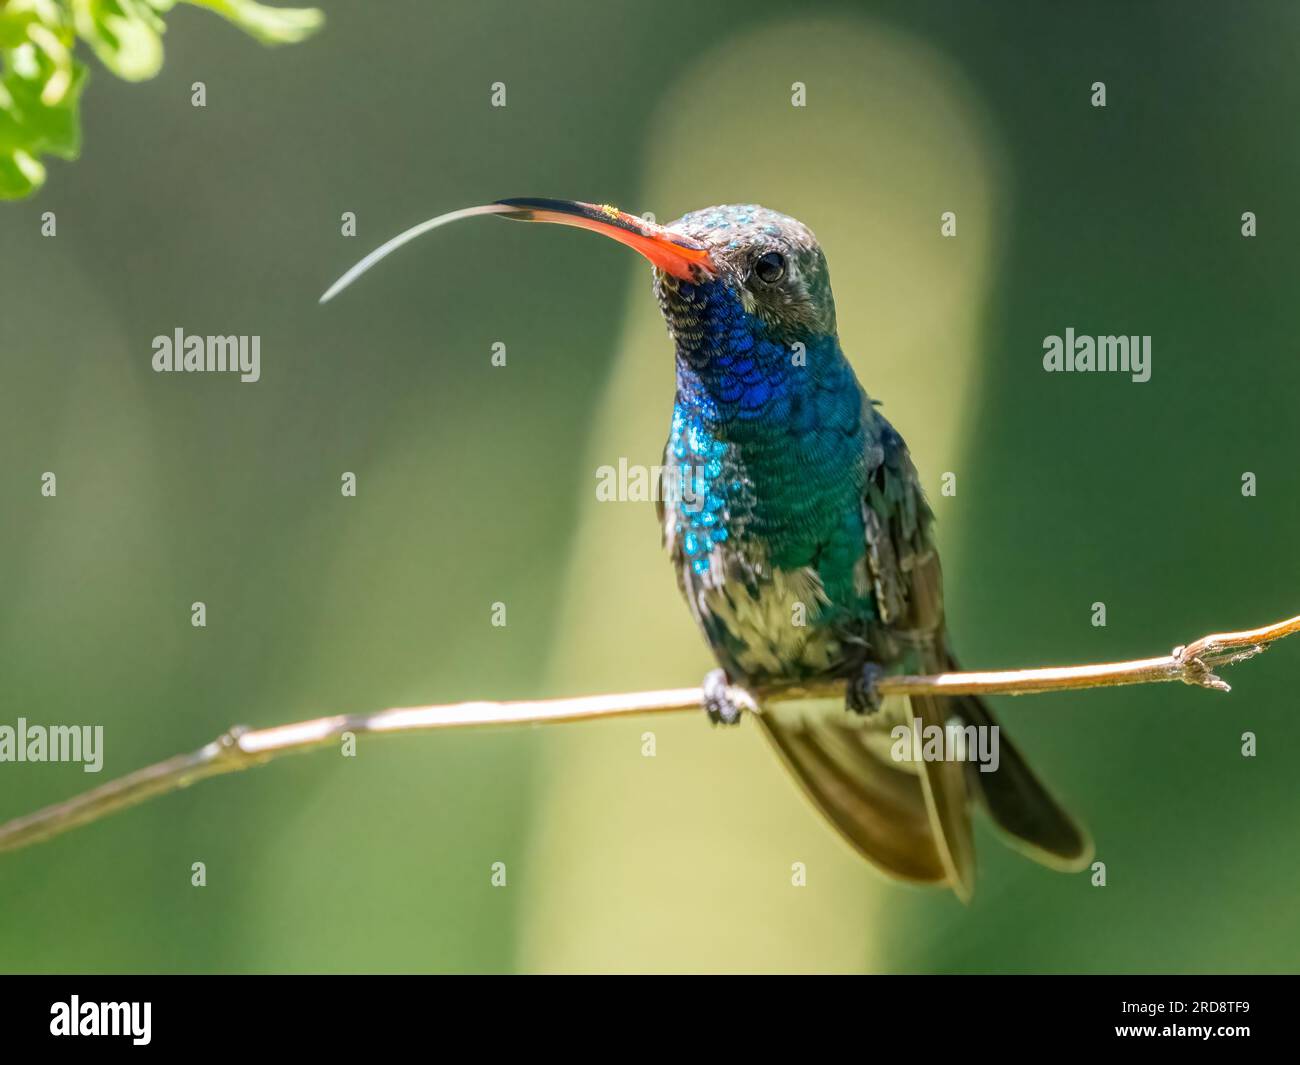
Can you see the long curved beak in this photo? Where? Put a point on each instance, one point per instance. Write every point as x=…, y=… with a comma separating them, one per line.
x=671, y=252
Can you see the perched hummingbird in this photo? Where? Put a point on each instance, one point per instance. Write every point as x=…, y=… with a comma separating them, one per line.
x=803, y=542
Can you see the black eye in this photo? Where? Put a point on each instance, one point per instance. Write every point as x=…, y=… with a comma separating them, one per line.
x=769, y=267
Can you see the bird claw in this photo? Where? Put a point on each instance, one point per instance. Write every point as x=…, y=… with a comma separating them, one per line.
x=863, y=693
x=721, y=706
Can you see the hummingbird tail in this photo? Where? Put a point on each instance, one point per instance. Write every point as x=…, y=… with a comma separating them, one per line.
x=879, y=809
x=914, y=823
x=1018, y=803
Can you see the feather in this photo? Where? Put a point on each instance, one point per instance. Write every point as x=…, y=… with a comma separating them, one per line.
x=879, y=809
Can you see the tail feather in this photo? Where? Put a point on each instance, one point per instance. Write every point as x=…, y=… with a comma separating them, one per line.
x=880, y=810
x=914, y=822
x=944, y=786
x=1020, y=805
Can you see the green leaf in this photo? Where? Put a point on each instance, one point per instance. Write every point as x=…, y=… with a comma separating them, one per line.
x=20, y=175
x=40, y=84
x=270, y=25
x=126, y=35
x=41, y=79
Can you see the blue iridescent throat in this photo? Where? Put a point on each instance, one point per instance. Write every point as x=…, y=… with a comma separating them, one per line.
x=701, y=493
x=752, y=409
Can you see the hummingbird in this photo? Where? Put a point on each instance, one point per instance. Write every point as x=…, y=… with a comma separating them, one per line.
x=803, y=543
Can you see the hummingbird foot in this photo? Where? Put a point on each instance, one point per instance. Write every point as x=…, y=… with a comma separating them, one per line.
x=863, y=694
x=721, y=706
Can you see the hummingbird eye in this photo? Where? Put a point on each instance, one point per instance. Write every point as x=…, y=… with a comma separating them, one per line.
x=769, y=267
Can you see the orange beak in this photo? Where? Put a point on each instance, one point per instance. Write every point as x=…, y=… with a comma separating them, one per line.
x=672, y=253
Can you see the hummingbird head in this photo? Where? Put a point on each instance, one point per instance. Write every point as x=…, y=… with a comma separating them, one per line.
x=744, y=290
x=766, y=264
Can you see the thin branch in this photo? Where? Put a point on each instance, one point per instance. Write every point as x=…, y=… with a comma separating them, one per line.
x=242, y=748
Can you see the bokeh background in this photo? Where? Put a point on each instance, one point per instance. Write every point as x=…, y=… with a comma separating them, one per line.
x=476, y=484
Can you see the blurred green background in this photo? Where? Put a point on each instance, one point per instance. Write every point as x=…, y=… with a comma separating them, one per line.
x=476, y=484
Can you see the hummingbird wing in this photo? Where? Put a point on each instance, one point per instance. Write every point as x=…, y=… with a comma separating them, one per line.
x=911, y=820
x=904, y=567
x=909, y=585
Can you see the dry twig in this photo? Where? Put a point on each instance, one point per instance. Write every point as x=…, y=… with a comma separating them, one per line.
x=242, y=748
